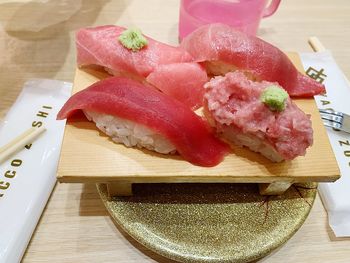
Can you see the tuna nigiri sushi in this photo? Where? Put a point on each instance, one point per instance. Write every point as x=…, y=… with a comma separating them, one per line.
x=258, y=115
x=100, y=46
x=169, y=69
x=135, y=115
x=222, y=49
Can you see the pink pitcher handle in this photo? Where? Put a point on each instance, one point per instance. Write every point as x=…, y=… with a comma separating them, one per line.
x=271, y=9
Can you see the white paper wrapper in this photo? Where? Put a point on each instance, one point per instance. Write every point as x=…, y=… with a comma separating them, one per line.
x=28, y=177
x=335, y=196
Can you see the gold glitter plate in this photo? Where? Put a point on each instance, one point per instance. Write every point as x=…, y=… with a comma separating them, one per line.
x=210, y=222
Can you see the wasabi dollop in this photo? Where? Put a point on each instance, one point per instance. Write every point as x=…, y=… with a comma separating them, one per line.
x=133, y=39
x=275, y=98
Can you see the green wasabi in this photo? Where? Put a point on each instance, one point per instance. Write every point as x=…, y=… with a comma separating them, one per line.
x=133, y=39
x=275, y=98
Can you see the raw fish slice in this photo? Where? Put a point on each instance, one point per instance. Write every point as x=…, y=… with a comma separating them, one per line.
x=160, y=63
x=223, y=49
x=100, y=46
x=182, y=81
x=132, y=101
x=234, y=107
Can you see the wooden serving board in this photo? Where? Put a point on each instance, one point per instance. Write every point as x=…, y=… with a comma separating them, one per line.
x=90, y=156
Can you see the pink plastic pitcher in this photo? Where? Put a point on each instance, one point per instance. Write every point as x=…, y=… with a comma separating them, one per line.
x=245, y=15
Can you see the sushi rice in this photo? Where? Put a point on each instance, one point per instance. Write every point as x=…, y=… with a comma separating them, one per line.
x=130, y=133
x=252, y=142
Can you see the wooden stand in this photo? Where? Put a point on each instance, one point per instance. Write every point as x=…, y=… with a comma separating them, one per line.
x=119, y=189
x=275, y=188
x=88, y=155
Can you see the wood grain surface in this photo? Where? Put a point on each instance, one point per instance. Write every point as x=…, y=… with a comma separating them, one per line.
x=75, y=226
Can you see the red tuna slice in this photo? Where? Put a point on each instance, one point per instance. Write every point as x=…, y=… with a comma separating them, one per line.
x=128, y=99
x=100, y=46
x=182, y=81
x=218, y=42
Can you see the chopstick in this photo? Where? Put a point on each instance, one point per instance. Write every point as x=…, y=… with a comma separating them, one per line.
x=19, y=142
x=316, y=44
